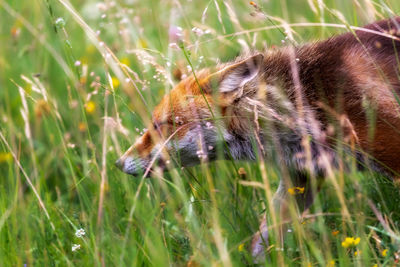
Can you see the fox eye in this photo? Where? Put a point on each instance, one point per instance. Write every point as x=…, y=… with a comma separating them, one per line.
x=156, y=126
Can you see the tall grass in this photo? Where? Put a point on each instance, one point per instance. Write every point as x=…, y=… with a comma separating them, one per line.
x=77, y=85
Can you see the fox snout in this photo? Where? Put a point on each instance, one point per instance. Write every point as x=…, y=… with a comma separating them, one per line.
x=119, y=164
x=129, y=165
x=134, y=165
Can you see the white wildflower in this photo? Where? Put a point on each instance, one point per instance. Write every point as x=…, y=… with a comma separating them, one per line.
x=199, y=32
x=80, y=232
x=75, y=247
x=71, y=145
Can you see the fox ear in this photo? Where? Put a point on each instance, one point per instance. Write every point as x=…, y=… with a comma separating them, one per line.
x=234, y=78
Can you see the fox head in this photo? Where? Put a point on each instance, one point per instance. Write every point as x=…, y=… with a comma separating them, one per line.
x=200, y=114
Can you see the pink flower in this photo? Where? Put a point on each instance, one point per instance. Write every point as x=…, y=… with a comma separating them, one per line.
x=175, y=34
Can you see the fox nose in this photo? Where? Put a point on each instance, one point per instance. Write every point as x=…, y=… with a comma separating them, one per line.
x=119, y=164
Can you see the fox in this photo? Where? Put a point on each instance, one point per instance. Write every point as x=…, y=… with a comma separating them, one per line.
x=291, y=103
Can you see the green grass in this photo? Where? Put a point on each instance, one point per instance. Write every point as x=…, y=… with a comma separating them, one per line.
x=55, y=140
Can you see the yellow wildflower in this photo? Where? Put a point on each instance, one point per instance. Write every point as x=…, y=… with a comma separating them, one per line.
x=5, y=157
x=296, y=190
x=331, y=263
x=384, y=252
x=90, y=49
x=90, y=107
x=142, y=43
x=356, y=253
x=28, y=88
x=291, y=191
x=350, y=242
x=83, y=79
x=115, y=82
x=84, y=60
x=82, y=127
x=241, y=171
x=375, y=265
x=241, y=247
x=125, y=61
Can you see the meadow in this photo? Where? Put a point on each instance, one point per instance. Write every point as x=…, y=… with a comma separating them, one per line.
x=78, y=82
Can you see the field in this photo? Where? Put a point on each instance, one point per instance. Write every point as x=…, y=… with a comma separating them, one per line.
x=78, y=82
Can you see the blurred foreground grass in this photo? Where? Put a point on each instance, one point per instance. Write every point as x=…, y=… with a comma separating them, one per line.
x=77, y=84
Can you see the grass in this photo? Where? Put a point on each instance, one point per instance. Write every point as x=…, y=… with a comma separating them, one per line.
x=67, y=112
